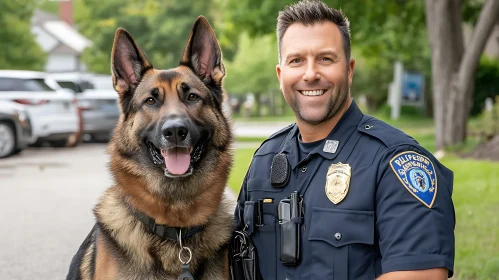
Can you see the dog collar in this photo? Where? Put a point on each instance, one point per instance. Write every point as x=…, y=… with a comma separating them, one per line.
x=164, y=231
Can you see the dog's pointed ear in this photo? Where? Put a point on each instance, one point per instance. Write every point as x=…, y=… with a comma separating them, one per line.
x=128, y=62
x=203, y=54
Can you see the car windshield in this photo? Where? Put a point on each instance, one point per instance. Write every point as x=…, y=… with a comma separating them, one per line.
x=19, y=84
x=70, y=85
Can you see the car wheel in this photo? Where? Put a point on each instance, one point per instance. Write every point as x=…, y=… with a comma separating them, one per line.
x=7, y=140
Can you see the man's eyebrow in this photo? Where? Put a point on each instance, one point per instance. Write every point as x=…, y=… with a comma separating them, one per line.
x=329, y=52
x=292, y=54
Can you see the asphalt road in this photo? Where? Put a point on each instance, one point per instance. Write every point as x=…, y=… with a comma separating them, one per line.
x=46, y=201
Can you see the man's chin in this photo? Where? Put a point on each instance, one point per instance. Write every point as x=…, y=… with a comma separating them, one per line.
x=312, y=118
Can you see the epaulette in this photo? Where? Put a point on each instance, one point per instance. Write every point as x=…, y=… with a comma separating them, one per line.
x=282, y=131
x=275, y=135
x=390, y=136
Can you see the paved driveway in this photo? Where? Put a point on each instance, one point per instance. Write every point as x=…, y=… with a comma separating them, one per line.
x=46, y=200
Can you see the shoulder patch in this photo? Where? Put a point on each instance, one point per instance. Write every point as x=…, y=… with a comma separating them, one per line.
x=417, y=174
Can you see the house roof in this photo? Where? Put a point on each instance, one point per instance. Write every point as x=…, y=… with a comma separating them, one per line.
x=55, y=35
x=67, y=35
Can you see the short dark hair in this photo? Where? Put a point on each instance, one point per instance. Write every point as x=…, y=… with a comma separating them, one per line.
x=309, y=12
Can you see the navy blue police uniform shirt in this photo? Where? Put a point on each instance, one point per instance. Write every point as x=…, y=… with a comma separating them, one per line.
x=375, y=202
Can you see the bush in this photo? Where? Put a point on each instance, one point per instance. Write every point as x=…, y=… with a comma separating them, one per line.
x=486, y=84
x=488, y=122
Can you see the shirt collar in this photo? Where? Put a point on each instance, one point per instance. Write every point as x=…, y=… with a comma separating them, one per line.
x=341, y=133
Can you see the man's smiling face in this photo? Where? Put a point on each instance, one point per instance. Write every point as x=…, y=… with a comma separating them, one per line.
x=313, y=73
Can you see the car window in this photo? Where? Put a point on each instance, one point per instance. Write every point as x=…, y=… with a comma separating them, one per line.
x=86, y=85
x=36, y=85
x=7, y=84
x=70, y=85
x=17, y=84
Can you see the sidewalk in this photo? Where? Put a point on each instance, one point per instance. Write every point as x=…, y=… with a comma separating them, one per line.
x=256, y=129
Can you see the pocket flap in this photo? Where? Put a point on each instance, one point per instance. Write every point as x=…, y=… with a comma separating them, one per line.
x=261, y=184
x=340, y=227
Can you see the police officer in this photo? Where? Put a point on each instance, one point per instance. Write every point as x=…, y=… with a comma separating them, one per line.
x=372, y=203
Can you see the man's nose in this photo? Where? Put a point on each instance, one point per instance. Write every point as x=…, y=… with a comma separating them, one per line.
x=311, y=72
x=175, y=130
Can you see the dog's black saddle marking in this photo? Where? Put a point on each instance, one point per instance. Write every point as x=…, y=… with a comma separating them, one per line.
x=164, y=231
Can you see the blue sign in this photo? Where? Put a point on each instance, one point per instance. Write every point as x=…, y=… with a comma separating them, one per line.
x=412, y=87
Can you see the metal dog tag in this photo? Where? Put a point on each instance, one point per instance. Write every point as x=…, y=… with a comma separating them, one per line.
x=186, y=273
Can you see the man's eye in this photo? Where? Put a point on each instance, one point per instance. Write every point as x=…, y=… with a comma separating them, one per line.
x=150, y=101
x=192, y=97
x=296, y=60
x=326, y=59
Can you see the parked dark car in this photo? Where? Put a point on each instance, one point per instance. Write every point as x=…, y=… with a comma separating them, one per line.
x=15, y=128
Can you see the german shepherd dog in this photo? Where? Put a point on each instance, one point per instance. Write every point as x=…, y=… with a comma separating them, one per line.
x=170, y=157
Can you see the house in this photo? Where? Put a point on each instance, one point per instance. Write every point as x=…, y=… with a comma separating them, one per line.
x=62, y=43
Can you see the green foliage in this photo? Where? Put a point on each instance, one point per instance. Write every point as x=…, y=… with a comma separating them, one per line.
x=382, y=32
x=488, y=122
x=486, y=83
x=19, y=48
x=161, y=28
x=253, y=66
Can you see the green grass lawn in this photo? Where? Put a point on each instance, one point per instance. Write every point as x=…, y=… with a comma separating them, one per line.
x=476, y=201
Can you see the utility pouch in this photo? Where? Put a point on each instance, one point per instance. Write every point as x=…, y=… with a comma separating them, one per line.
x=290, y=213
x=243, y=258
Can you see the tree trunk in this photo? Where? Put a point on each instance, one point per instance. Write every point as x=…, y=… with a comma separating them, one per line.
x=453, y=69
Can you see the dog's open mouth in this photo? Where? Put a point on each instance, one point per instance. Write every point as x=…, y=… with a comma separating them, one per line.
x=177, y=161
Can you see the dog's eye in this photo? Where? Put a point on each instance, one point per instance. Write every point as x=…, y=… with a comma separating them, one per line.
x=192, y=97
x=150, y=101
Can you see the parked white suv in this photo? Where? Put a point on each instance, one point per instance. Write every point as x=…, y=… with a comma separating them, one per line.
x=53, y=111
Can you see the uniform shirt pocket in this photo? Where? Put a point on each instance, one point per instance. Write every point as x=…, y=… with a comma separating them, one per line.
x=341, y=243
x=261, y=184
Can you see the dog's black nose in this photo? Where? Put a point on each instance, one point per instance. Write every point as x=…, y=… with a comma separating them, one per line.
x=175, y=130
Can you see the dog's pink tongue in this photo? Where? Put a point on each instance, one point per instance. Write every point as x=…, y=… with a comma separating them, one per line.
x=177, y=160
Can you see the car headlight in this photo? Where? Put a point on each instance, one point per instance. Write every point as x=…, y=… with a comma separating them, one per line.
x=23, y=116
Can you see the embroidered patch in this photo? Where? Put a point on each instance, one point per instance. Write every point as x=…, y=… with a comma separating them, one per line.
x=417, y=174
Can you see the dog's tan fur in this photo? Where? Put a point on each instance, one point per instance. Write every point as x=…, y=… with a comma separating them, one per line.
x=121, y=246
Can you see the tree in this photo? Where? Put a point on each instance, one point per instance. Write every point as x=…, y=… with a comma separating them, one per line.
x=161, y=28
x=253, y=68
x=382, y=32
x=19, y=48
x=454, y=66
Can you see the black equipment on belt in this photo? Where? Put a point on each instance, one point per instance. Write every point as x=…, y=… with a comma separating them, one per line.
x=243, y=258
x=290, y=214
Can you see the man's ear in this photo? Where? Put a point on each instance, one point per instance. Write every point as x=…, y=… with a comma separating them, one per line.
x=128, y=62
x=203, y=54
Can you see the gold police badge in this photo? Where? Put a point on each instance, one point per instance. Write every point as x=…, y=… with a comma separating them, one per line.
x=338, y=181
